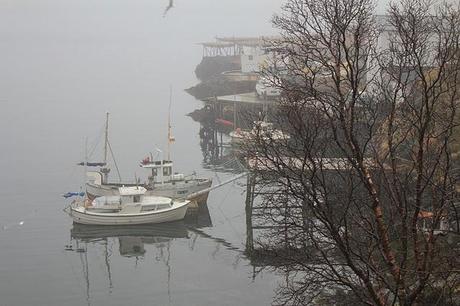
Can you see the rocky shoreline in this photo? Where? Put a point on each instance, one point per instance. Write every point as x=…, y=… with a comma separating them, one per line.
x=214, y=82
x=220, y=86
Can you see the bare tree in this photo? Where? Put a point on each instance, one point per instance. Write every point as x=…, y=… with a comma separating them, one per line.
x=358, y=191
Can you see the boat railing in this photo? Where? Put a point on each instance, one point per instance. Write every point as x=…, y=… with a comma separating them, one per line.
x=81, y=203
x=74, y=204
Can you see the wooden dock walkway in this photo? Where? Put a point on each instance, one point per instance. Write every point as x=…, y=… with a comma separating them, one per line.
x=246, y=98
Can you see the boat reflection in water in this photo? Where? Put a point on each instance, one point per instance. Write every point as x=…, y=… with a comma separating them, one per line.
x=89, y=240
x=131, y=238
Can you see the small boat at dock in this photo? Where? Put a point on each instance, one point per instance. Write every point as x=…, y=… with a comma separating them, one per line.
x=262, y=129
x=130, y=207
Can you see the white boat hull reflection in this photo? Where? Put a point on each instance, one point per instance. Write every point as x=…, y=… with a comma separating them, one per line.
x=96, y=232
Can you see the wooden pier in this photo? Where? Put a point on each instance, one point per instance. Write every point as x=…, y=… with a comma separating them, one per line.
x=243, y=98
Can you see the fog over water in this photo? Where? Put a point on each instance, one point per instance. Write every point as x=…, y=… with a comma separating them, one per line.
x=63, y=64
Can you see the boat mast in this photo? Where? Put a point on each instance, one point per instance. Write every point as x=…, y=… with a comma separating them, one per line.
x=105, y=170
x=106, y=136
x=170, y=137
x=85, y=179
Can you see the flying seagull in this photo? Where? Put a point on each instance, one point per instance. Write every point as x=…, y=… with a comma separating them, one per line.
x=170, y=6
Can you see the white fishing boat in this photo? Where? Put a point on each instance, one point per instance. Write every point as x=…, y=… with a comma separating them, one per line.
x=131, y=206
x=262, y=129
x=162, y=181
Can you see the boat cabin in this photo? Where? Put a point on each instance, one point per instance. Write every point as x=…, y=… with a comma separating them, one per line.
x=162, y=171
x=133, y=194
x=94, y=177
x=132, y=199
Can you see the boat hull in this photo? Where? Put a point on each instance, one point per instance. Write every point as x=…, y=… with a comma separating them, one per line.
x=237, y=138
x=169, y=190
x=81, y=215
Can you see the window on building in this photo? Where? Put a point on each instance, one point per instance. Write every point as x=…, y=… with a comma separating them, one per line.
x=250, y=57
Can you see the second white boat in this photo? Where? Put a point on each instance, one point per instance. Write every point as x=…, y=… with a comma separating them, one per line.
x=132, y=206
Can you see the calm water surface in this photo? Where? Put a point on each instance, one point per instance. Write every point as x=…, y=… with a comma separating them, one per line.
x=63, y=64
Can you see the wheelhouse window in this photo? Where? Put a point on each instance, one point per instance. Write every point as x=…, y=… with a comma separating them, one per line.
x=166, y=171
